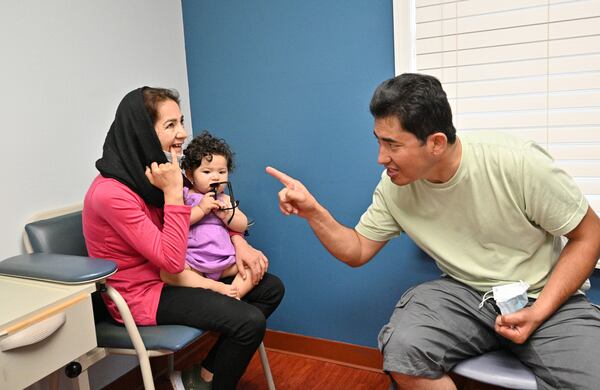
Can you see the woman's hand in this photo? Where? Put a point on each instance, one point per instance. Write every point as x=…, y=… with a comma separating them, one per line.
x=248, y=258
x=168, y=178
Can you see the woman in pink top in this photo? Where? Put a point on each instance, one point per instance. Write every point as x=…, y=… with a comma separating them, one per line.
x=134, y=214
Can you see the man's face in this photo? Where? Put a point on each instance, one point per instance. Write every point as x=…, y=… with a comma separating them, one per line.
x=401, y=153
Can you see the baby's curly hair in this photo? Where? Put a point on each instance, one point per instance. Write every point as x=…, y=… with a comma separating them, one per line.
x=205, y=146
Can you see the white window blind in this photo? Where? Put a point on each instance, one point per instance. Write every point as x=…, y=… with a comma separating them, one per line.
x=527, y=67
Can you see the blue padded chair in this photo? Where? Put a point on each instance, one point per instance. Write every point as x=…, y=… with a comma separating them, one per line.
x=61, y=232
x=498, y=368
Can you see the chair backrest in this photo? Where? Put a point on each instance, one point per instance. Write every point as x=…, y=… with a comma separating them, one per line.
x=62, y=234
x=55, y=232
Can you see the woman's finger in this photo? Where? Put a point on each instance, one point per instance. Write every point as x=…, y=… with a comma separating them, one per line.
x=256, y=271
x=265, y=266
x=149, y=175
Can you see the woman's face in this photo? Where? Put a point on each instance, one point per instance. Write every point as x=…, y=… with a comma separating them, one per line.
x=169, y=127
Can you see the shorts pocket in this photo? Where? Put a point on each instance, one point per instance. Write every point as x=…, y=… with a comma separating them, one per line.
x=386, y=332
x=406, y=297
x=384, y=336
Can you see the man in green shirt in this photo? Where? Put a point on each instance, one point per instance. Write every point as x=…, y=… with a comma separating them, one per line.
x=490, y=209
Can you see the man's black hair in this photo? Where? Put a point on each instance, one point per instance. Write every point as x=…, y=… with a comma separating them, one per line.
x=418, y=101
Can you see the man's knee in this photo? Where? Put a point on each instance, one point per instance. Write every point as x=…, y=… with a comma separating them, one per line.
x=411, y=365
x=402, y=347
x=403, y=381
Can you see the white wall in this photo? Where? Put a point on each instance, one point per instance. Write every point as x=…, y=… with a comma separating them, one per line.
x=64, y=67
x=404, y=36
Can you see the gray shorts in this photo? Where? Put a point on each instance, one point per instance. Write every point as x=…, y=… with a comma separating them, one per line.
x=437, y=324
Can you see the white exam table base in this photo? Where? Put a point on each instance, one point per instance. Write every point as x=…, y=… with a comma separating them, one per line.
x=26, y=303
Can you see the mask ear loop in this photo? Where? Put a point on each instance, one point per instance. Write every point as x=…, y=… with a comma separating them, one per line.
x=485, y=298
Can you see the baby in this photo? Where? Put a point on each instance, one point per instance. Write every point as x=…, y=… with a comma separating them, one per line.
x=210, y=254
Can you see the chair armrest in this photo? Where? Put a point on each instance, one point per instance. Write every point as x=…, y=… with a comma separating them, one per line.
x=57, y=268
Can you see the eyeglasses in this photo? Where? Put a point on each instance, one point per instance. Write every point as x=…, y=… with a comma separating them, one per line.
x=234, y=203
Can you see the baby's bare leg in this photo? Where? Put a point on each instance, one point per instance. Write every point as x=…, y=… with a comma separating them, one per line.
x=243, y=286
x=187, y=278
x=231, y=271
x=191, y=278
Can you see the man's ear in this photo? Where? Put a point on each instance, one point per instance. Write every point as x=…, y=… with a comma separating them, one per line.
x=437, y=143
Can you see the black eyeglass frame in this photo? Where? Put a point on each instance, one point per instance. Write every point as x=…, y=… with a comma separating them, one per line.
x=234, y=203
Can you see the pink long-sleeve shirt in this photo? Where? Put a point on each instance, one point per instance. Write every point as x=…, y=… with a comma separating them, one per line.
x=141, y=239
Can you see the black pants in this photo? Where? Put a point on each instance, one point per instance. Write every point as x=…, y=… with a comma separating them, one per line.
x=241, y=324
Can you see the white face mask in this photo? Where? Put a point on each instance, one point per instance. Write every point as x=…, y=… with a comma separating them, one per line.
x=170, y=158
x=510, y=297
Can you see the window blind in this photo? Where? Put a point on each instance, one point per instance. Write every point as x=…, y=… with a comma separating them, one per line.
x=527, y=67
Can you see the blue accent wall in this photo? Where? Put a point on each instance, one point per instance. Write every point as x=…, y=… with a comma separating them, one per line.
x=594, y=293
x=288, y=84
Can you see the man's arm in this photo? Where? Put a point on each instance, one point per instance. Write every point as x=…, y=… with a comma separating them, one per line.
x=342, y=242
x=575, y=264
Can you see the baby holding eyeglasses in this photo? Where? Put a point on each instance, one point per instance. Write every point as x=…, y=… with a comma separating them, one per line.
x=210, y=254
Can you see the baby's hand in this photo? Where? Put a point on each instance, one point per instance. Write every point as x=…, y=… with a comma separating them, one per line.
x=224, y=202
x=223, y=214
x=208, y=204
x=228, y=289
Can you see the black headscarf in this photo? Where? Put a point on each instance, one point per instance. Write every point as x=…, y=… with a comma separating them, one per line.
x=130, y=146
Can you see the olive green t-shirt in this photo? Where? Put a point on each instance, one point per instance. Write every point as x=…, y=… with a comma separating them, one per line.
x=497, y=220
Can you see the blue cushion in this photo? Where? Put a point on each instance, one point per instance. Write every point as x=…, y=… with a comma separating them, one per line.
x=167, y=337
x=57, y=268
x=498, y=368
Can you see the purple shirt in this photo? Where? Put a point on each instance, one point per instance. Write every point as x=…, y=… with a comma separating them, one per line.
x=209, y=248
